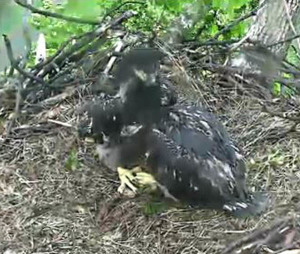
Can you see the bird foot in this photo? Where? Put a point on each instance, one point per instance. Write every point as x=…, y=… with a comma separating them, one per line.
x=131, y=179
x=127, y=179
x=145, y=180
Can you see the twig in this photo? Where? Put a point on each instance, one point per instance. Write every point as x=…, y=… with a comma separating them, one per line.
x=279, y=114
x=15, y=65
x=287, y=64
x=61, y=123
x=39, y=66
x=40, y=127
x=50, y=102
x=112, y=60
x=58, y=98
x=14, y=115
x=256, y=235
x=239, y=43
x=259, y=76
x=87, y=39
x=211, y=43
x=62, y=73
x=82, y=53
x=55, y=15
x=295, y=51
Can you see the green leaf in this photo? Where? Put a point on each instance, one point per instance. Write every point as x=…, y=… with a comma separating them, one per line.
x=87, y=9
x=152, y=208
x=214, y=29
x=10, y=16
x=239, y=30
x=72, y=162
x=229, y=4
x=221, y=4
x=292, y=56
x=235, y=4
x=276, y=88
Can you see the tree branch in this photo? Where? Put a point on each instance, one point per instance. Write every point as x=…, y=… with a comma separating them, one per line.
x=210, y=43
x=235, y=22
x=62, y=56
x=120, y=6
x=15, y=65
x=291, y=83
x=285, y=40
x=55, y=15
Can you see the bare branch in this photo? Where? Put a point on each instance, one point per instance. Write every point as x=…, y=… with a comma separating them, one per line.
x=15, y=65
x=37, y=68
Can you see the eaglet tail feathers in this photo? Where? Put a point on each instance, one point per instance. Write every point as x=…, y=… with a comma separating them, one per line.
x=256, y=204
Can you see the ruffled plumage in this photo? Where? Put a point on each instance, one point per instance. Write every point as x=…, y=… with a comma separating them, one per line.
x=184, y=147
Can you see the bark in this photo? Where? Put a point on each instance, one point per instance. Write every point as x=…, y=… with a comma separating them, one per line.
x=274, y=22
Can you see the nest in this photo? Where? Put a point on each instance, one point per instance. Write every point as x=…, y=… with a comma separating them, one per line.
x=56, y=197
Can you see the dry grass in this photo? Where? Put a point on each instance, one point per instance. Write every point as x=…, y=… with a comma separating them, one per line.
x=47, y=208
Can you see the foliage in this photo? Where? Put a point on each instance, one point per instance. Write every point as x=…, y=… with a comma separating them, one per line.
x=13, y=24
x=220, y=13
x=56, y=31
x=210, y=17
x=152, y=15
x=10, y=16
x=154, y=207
x=278, y=88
